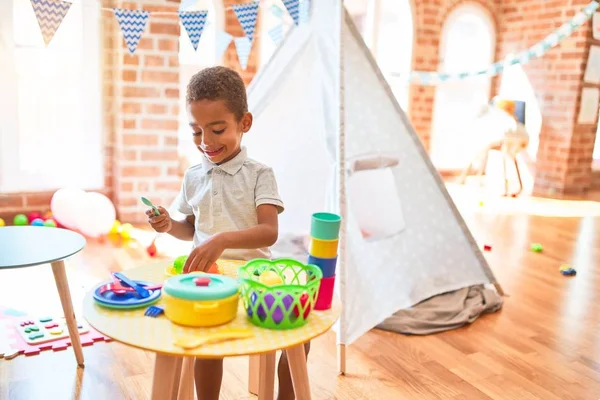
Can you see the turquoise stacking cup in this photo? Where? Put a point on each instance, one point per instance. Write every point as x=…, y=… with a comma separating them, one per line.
x=325, y=226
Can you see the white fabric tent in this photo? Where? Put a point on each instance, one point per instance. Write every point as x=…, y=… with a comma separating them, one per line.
x=329, y=125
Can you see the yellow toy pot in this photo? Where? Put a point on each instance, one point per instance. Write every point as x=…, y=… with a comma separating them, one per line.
x=200, y=300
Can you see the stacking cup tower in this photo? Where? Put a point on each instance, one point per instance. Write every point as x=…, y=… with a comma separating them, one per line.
x=323, y=252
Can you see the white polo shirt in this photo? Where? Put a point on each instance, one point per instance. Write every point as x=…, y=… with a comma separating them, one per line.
x=225, y=197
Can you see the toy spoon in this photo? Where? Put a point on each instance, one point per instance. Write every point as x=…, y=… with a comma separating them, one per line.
x=149, y=204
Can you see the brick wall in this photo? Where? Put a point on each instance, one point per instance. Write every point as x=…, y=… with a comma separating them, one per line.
x=565, y=150
x=145, y=161
x=430, y=16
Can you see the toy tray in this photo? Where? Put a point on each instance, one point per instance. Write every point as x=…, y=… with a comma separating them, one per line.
x=42, y=330
x=127, y=300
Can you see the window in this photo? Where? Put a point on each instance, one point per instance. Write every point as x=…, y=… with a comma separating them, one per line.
x=50, y=102
x=191, y=61
x=467, y=44
x=387, y=28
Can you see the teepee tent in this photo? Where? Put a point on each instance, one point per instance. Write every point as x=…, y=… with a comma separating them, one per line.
x=328, y=124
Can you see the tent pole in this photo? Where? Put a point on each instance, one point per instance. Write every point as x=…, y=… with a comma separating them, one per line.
x=499, y=289
x=341, y=358
x=342, y=258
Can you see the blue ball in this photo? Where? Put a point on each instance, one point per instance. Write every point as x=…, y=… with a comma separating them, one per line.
x=37, y=222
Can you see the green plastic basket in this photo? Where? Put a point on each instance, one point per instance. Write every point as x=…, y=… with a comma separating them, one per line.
x=285, y=306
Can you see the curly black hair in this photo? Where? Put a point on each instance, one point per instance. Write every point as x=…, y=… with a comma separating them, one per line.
x=219, y=83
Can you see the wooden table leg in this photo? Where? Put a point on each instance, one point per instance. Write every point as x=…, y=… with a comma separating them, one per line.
x=186, y=383
x=60, y=277
x=253, y=374
x=165, y=382
x=266, y=381
x=299, y=372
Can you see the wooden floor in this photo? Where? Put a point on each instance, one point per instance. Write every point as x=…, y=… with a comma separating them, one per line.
x=544, y=343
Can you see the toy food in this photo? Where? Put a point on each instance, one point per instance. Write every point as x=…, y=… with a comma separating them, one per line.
x=270, y=278
x=201, y=300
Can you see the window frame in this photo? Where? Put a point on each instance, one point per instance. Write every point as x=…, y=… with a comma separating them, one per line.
x=91, y=95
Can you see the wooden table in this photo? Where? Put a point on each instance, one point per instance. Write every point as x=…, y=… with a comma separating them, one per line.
x=173, y=369
x=28, y=246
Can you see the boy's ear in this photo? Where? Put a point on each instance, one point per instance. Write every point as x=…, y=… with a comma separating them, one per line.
x=247, y=122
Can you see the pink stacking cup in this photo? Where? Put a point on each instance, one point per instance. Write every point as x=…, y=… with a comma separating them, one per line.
x=325, y=296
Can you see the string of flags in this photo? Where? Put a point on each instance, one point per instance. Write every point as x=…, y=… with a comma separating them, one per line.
x=50, y=14
x=523, y=57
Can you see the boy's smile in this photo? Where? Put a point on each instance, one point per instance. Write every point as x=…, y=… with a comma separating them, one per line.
x=217, y=131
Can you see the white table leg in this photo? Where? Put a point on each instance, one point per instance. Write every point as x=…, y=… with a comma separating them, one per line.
x=60, y=276
x=186, y=383
x=299, y=371
x=266, y=381
x=167, y=372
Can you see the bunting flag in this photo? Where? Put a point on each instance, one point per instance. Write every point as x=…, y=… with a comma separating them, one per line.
x=276, y=34
x=304, y=11
x=243, y=45
x=222, y=42
x=132, y=23
x=193, y=22
x=247, y=14
x=49, y=14
x=537, y=50
x=293, y=7
x=276, y=11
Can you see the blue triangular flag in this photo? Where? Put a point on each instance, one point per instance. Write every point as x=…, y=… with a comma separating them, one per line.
x=276, y=11
x=243, y=47
x=276, y=34
x=223, y=40
x=132, y=23
x=49, y=14
x=193, y=22
x=293, y=7
x=246, y=14
x=304, y=11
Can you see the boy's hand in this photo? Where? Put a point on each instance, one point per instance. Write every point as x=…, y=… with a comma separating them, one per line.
x=205, y=255
x=160, y=223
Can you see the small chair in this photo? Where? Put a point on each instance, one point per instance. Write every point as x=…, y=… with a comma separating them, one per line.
x=515, y=140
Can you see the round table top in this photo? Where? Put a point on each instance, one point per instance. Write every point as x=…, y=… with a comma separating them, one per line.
x=158, y=334
x=26, y=246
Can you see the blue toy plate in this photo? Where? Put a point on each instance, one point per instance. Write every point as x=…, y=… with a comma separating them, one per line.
x=128, y=300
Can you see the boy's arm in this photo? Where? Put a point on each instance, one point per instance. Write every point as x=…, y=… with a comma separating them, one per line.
x=183, y=230
x=262, y=235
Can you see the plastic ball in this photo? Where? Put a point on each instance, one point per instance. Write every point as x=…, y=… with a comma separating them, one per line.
x=37, y=222
x=47, y=215
x=116, y=228
x=50, y=223
x=270, y=278
x=126, y=230
x=20, y=220
x=33, y=216
x=2, y=223
x=537, y=248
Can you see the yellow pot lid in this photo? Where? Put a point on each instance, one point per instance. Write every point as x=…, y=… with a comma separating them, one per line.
x=201, y=286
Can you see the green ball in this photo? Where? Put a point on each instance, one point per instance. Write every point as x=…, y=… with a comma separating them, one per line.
x=179, y=263
x=50, y=223
x=536, y=247
x=20, y=220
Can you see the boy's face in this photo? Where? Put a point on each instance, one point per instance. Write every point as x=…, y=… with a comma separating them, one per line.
x=217, y=132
